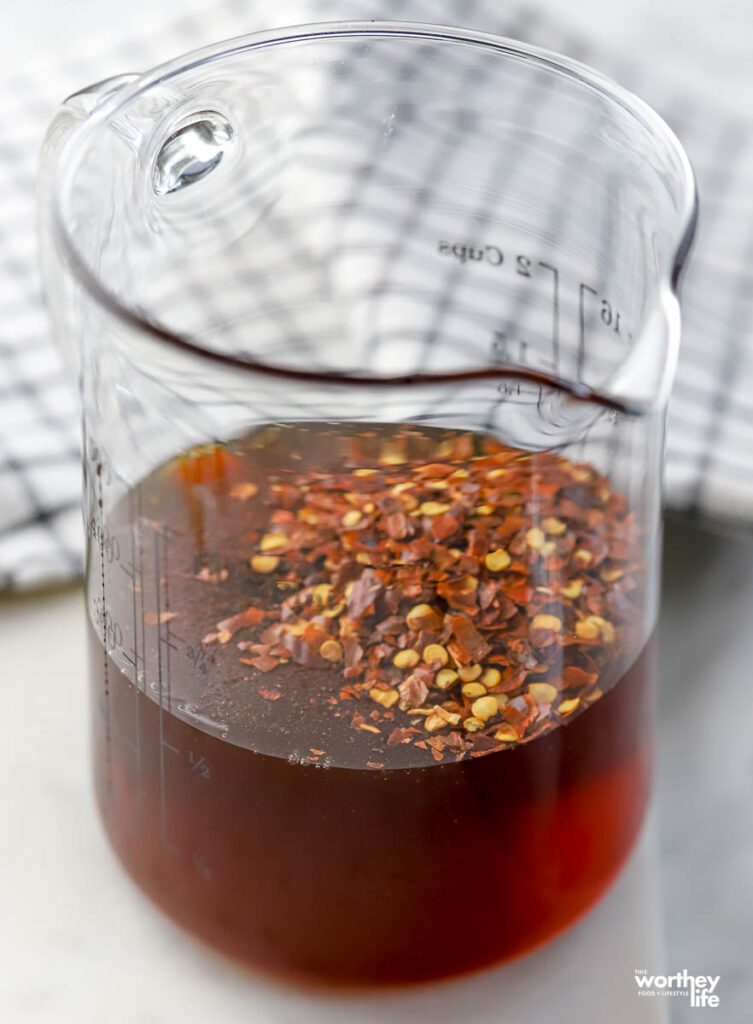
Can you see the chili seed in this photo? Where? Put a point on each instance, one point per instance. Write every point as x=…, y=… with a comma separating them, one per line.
x=264, y=563
x=554, y=526
x=573, y=589
x=322, y=592
x=491, y=678
x=586, y=630
x=436, y=653
x=595, y=626
x=352, y=518
x=433, y=508
x=484, y=707
x=543, y=693
x=497, y=560
x=451, y=717
x=331, y=650
x=445, y=678
x=406, y=659
x=384, y=697
x=535, y=538
x=272, y=541
x=421, y=616
x=546, y=622
x=473, y=690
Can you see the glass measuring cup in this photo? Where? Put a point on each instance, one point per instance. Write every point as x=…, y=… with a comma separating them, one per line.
x=374, y=327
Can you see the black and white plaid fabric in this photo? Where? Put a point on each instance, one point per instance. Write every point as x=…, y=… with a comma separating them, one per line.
x=710, y=453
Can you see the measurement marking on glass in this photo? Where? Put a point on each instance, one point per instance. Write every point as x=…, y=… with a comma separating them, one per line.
x=99, y=515
x=583, y=288
x=167, y=536
x=555, y=312
x=162, y=742
x=199, y=764
x=132, y=571
x=136, y=521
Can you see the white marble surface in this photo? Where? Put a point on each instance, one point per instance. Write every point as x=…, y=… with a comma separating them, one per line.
x=705, y=765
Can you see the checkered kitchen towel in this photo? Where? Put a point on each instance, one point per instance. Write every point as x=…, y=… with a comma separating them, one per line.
x=710, y=456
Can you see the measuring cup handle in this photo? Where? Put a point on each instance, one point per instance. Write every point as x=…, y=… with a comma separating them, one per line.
x=55, y=277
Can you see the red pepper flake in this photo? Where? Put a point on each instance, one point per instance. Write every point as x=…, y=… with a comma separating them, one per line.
x=459, y=594
x=444, y=526
x=378, y=565
x=572, y=676
x=365, y=591
x=397, y=525
x=250, y=617
x=469, y=643
x=353, y=655
x=400, y=735
x=417, y=551
x=264, y=662
x=413, y=690
x=152, y=619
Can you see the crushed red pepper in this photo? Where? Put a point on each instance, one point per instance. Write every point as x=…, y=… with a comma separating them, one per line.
x=471, y=601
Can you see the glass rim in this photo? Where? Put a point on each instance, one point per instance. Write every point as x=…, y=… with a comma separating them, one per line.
x=566, y=67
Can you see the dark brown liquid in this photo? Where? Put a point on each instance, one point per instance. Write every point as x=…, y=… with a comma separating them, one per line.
x=331, y=869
